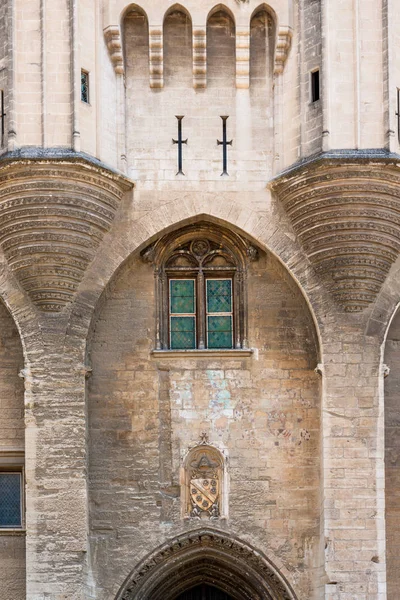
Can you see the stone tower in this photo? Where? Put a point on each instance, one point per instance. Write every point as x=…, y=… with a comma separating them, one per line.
x=199, y=281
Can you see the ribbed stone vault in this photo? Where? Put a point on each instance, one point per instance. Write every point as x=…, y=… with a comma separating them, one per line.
x=53, y=216
x=346, y=214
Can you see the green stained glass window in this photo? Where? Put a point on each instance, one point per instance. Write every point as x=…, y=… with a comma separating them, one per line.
x=219, y=313
x=10, y=500
x=183, y=333
x=182, y=296
x=219, y=295
x=182, y=302
x=219, y=331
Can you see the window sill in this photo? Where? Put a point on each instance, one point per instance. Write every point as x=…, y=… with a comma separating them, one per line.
x=234, y=353
x=12, y=532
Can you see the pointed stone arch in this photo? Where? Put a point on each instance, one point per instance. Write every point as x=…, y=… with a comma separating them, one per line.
x=205, y=555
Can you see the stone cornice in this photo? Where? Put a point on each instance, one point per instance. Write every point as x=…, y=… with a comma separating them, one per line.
x=64, y=155
x=334, y=157
x=344, y=206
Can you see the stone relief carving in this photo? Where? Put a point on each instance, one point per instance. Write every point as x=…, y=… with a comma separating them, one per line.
x=204, y=481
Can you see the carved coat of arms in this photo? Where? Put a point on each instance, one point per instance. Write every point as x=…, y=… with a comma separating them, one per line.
x=204, y=485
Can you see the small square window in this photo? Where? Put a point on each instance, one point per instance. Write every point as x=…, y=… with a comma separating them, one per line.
x=10, y=500
x=85, y=86
x=315, y=91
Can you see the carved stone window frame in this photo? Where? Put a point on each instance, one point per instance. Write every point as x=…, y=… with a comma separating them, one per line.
x=200, y=243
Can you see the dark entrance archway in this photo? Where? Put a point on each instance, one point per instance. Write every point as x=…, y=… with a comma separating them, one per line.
x=205, y=559
x=204, y=592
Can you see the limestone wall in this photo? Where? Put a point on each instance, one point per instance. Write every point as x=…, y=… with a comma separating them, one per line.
x=392, y=458
x=12, y=440
x=144, y=412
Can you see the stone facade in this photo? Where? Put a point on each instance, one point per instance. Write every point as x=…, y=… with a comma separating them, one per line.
x=293, y=432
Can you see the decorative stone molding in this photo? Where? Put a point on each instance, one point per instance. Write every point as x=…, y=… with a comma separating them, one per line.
x=54, y=213
x=112, y=35
x=199, y=58
x=283, y=43
x=243, y=58
x=346, y=213
x=205, y=555
x=156, y=57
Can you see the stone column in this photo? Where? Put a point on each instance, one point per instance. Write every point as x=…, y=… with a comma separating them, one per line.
x=353, y=466
x=56, y=486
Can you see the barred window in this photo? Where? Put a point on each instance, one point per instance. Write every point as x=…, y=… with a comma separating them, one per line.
x=201, y=289
x=10, y=500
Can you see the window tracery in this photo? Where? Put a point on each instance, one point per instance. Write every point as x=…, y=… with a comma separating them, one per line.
x=201, y=288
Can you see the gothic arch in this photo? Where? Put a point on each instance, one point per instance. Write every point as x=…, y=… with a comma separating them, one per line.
x=177, y=8
x=223, y=8
x=205, y=555
x=108, y=261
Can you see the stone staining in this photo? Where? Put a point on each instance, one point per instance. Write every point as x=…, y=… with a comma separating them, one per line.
x=243, y=58
x=347, y=217
x=199, y=59
x=53, y=218
x=156, y=57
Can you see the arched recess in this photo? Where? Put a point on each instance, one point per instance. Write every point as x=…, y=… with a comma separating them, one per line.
x=262, y=411
x=392, y=455
x=221, y=48
x=262, y=48
x=12, y=447
x=205, y=556
x=135, y=33
x=177, y=47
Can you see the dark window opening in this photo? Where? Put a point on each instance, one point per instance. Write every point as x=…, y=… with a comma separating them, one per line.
x=10, y=500
x=315, y=91
x=204, y=592
x=85, y=86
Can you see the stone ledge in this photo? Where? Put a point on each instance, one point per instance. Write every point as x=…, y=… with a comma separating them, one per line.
x=202, y=353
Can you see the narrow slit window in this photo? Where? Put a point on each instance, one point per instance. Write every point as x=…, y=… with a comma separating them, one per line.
x=10, y=500
x=85, y=86
x=315, y=91
x=182, y=309
x=219, y=313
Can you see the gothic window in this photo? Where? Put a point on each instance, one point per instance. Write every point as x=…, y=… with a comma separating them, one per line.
x=10, y=500
x=201, y=289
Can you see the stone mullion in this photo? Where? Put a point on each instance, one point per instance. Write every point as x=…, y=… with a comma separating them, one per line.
x=201, y=312
x=353, y=471
x=56, y=471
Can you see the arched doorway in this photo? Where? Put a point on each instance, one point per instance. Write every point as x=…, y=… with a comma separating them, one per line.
x=204, y=592
x=205, y=564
